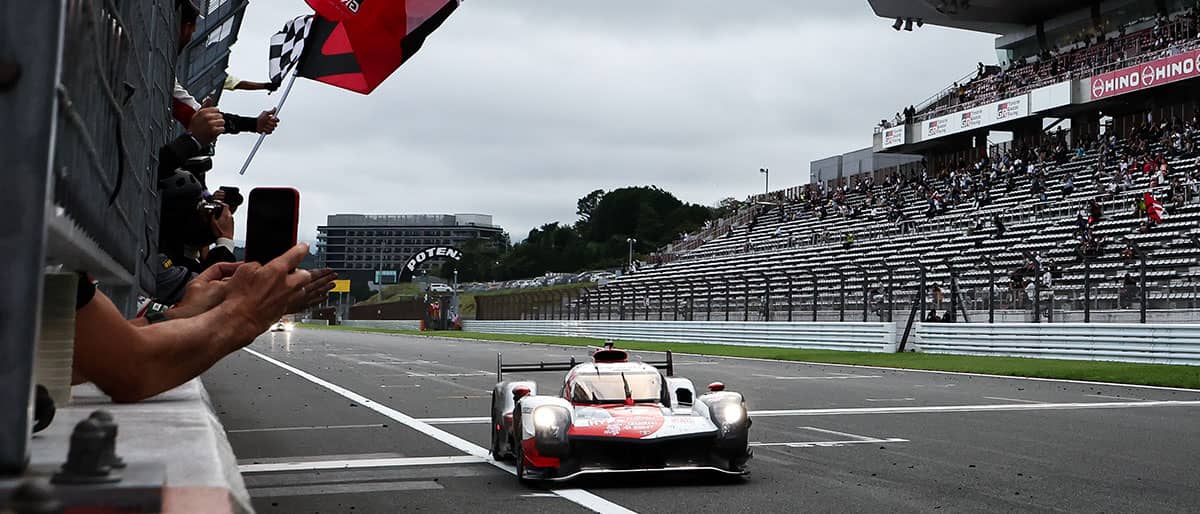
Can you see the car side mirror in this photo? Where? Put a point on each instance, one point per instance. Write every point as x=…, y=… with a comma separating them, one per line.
x=683, y=396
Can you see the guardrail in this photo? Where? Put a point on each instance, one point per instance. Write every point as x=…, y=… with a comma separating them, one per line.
x=387, y=325
x=1142, y=343
x=862, y=337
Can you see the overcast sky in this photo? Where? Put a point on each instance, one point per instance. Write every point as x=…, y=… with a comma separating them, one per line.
x=516, y=108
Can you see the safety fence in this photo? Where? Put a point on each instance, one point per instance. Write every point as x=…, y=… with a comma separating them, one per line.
x=387, y=325
x=1131, y=342
x=864, y=337
x=1155, y=344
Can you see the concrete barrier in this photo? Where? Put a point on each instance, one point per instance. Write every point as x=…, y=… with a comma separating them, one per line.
x=389, y=325
x=863, y=337
x=1149, y=343
x=174, y=436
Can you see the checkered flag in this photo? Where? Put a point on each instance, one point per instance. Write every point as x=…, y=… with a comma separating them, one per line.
x=286, y=47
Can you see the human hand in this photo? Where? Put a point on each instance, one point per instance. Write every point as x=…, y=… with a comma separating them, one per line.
x=207, y=124
x=267, y=122
x=258, y=295
x=316, y=291
x=222, y=224
x=218, y=195
x=204, y=292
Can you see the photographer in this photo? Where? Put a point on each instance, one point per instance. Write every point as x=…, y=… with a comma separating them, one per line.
x=190, y=224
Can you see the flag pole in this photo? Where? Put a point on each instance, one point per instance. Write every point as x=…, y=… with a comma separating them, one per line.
x=278, y=108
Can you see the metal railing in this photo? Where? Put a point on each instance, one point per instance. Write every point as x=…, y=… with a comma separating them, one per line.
x=85, y=91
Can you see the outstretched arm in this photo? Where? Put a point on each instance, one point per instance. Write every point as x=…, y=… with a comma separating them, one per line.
x=131, y=363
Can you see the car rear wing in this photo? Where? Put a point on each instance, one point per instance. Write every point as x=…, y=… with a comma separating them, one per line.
x=667, y=365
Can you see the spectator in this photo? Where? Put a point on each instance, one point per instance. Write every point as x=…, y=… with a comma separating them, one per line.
x=1127, y=292
x=233, y=83
x=932, y=317
x=224, y=309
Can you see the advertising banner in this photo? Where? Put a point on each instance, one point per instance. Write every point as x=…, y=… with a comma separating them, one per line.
x=893, y=137
x=979, y=117
x=1144, y=76
x=341, y=286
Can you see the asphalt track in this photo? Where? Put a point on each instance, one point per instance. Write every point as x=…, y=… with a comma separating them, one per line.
x=404, y=417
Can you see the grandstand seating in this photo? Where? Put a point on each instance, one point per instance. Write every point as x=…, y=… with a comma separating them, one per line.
x=1140, y=42
x=780, y=254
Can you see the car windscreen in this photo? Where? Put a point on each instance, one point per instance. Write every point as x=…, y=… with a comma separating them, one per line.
x=610, y=388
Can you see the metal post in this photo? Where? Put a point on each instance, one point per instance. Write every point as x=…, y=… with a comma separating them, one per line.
x=661, y=303
x=891, y=301
x=842, y=295
x=707, y=304
x=1087, y=289
x=791, y=284
x=746, y=299
x=1142, y=285
x=633, y=305
x=728, y=298
x=1037, y=291
x=675, y=303
x=33, y=36
x=608, y=307
x=865, y=285
x=816, y=293
x=991, y=290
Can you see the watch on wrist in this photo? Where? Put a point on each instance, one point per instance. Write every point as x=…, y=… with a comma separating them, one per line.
x=156, y=317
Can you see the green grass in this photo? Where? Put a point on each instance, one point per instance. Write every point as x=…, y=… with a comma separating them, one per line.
x=1097, y=371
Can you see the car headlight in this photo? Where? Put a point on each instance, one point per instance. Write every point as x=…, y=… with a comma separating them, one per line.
x=545, y=417
x=731, y=412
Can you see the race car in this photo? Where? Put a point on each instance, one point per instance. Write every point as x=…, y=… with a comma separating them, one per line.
x=616, y=415
x=282, y=326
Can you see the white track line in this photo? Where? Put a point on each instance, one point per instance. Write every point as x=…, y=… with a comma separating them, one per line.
x=970, y=408
x=1004, y=399
x=1115, y=397
x=360, y=464
x=828, y=444
x=836, y=377
x=843, y=434
x=456, y=421
x=288, y=429
x=582, y=498
x=809, y=363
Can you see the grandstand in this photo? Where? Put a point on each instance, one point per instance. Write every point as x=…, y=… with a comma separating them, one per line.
x=1062, y=220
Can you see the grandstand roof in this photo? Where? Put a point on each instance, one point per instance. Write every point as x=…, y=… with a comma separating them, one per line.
x=992, y=16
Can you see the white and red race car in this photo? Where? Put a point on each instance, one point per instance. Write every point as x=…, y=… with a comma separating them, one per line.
x=616, y=415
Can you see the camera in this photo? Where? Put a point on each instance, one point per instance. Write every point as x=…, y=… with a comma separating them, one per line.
x=213, y=209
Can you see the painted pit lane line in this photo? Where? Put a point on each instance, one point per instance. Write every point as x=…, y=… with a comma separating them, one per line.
x=581, y=497
x=315, y=427
x=360, y=463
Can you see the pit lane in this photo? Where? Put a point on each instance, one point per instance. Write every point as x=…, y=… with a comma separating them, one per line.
x=401, y=426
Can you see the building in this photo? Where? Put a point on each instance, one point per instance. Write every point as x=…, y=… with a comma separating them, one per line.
x=857, y=163
x=374, y=247
x=202, y=64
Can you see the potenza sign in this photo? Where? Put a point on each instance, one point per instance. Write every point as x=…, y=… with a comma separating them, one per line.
x=430, y=253
x=1143, y=76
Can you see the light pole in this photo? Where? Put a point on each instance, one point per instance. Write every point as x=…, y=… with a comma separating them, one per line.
x=631, y=241
x=454, y=297
x=766, y=180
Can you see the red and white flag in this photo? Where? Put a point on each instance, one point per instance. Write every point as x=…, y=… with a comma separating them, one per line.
x=1154, y=209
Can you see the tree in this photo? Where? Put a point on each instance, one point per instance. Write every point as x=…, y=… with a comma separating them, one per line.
x=586, y=205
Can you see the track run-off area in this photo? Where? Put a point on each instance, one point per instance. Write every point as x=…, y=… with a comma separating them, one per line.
x=331, y=421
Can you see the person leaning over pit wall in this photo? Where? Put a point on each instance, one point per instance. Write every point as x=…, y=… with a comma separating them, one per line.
x=224, y=309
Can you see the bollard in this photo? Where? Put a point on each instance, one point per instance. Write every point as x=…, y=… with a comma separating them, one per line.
x=87, y=458
x=105, y=420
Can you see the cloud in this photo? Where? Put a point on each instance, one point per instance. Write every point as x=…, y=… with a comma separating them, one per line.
x=518, y=108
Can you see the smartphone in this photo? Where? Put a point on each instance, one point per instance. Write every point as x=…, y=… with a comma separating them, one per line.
x=274, y=213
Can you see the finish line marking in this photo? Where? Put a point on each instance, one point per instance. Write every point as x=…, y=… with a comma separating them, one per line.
x=1002, y=407
x=972, y=408
x=360, y=464
x=579, y=496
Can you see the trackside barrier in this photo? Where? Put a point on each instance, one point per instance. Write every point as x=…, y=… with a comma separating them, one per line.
x=858, y=337
x=388, y=325
x=1151, y=344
